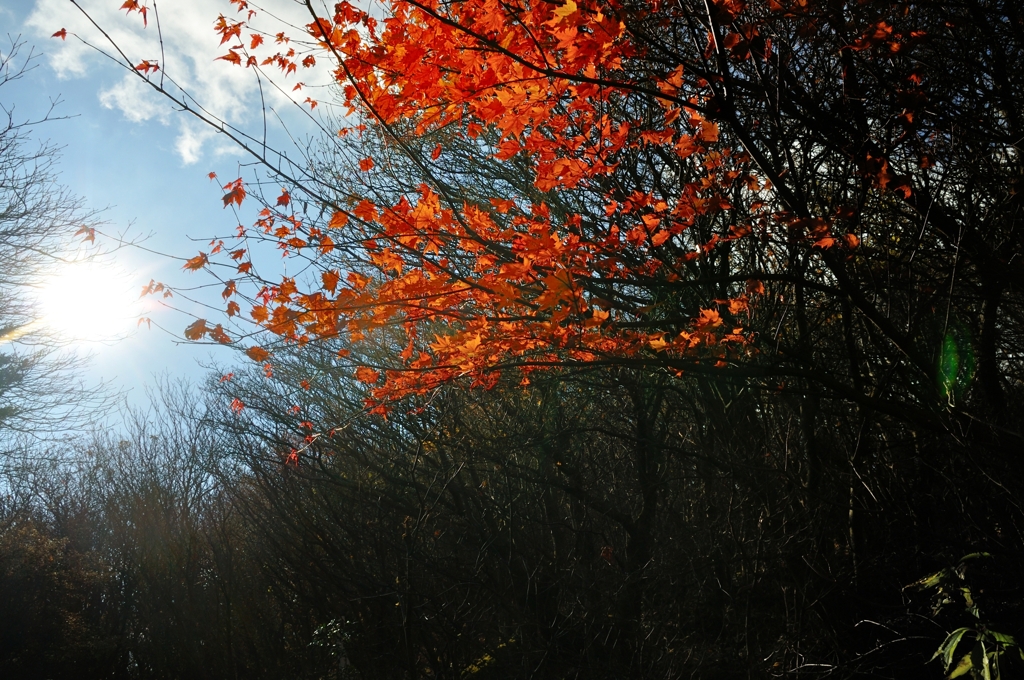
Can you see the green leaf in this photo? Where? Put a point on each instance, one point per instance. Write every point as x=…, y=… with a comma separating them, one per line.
x=948, y=647
x=1003, y=638
x=963, y=667
x=931, y=580
x=993, y=659
x=971, y=605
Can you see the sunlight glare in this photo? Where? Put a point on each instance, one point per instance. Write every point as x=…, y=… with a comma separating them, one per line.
x=89, y=302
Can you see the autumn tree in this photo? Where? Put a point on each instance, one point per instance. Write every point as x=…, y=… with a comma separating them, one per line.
x=759, y=190
x=803, y=214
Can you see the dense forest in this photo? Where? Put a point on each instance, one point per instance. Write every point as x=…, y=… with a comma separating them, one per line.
x=633, y=340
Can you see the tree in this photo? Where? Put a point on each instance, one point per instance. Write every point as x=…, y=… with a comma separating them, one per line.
x=800, y=219
x=759, y=190
x=39, y=220
x=126, y=555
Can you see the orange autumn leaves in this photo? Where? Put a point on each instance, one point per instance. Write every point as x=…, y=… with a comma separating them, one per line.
x=473, y=288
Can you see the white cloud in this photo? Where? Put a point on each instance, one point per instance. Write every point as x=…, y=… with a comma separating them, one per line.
x=136, y=100
x=189, y=59
x=190, y=142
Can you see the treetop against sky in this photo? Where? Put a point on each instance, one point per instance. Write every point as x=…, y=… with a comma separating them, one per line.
x=110, y=130
x=700, y=187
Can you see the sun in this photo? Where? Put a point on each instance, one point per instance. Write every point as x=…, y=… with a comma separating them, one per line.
x=88, y=302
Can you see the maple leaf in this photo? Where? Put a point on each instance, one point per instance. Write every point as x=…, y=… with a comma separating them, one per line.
x=237, y=405
x=566, y=10
x=708, y=132
x=218, y=334
x=366, y=211
x=236, y=193
x=338, y=220
x=285, y=198
x=738, y=305
x=502, y=205
x=153, y=287
x=330, y=280
x=89, y=234
x=231, y=57
x=197, y=262
x=197, y=330
x=133, y=6
x=62, y=34
x=366, y=164
x=358, y=281
x=365, y=374
x=709, y=318
x=228, y=29
x=326, y=244
x=257, y=354
x=660, y=237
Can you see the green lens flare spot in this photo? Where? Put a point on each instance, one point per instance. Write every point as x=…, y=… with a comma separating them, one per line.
x=956, y=363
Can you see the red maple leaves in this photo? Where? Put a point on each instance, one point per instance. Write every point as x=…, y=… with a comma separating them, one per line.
x=579, y=265
x=547, y=84
x=235, y=192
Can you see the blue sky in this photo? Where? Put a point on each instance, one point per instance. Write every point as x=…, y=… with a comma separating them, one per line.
x=126, y=150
